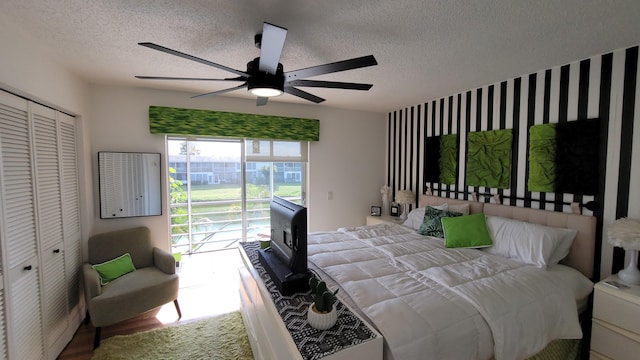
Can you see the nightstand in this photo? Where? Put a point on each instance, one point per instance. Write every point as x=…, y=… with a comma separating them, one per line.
x=615, y=330
x=372, y=220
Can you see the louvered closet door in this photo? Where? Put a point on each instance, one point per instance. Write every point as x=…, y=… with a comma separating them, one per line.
x=3, y=332
x=10, y=107
x=49, y=215
x=18, y=231
x=71, y=205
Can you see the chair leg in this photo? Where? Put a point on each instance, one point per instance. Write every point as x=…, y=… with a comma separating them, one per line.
x=96, y=339
x=175, y=302
x=87, y=319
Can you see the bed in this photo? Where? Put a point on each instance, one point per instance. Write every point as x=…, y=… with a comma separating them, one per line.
x=429, y=301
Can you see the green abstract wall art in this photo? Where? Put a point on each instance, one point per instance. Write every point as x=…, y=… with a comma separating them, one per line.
x=542, y=154
x=448, y=158
x=563, y=157
x=441, y=159
x=178, y=121
x=432, y=159
x=489, y=158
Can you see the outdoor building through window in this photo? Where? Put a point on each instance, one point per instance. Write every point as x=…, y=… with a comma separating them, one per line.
x=220, y=189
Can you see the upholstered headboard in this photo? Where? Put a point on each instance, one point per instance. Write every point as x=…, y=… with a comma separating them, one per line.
x=428, y=200
x=582, y=252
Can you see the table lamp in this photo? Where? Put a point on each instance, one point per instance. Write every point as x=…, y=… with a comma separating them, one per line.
x=625, y=233
x=404, y=198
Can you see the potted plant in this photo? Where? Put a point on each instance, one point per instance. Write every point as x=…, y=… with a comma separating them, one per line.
x=321, y=314
x=178, y=257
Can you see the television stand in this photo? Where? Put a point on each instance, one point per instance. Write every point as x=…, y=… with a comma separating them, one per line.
x=286, y=281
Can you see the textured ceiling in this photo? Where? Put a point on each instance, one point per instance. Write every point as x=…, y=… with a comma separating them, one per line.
x=425, y=49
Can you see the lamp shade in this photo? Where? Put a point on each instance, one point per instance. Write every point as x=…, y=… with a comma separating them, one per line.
x=405, y=197
x=625, y=233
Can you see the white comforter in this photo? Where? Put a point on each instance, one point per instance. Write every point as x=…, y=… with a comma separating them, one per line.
x=430, y=302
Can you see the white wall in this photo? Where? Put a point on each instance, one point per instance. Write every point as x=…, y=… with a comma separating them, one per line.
x=348, y=159
x=28, y=70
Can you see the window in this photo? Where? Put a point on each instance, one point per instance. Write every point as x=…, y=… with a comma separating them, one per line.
x=220, y=189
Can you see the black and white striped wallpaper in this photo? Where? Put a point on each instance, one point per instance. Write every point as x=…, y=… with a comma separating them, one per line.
x=604, y=87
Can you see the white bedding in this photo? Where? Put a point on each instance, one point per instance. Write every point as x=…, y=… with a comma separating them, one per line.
x=437, y=303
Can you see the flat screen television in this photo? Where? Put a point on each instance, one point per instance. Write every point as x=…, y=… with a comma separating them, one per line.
x=286, y=258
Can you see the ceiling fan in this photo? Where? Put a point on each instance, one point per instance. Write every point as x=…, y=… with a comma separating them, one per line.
x=265, y=77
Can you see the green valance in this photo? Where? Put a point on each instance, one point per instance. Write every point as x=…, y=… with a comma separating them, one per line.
x=192, y=122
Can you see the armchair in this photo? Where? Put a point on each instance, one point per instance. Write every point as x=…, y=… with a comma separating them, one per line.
x=152, y=284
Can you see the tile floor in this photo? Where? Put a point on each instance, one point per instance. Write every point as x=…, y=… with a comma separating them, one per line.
x=208, y=286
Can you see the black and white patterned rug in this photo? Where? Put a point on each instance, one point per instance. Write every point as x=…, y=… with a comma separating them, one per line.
x=312, y=343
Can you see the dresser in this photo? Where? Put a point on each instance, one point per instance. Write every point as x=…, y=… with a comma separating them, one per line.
x=616, y=321
x=271, y=338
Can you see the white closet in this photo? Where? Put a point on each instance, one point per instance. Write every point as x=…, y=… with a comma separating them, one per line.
x=39, y=230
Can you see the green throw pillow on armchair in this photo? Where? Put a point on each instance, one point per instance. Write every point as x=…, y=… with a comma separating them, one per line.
x=113, y=269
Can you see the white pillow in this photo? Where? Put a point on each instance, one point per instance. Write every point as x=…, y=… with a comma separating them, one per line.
x=562, y=248
x=415, y=216
x=462, y=208
x=529, y=243
x=580, y=284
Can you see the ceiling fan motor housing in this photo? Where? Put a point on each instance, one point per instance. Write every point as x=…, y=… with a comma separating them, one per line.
x=259, y=79
x=257, y=40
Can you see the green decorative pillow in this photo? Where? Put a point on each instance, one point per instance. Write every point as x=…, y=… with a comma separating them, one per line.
x=113, y=269
x=468, y=231
x=431, y=225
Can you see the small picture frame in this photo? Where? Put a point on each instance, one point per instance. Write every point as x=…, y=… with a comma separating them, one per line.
x=395, y=210
x=376, y=211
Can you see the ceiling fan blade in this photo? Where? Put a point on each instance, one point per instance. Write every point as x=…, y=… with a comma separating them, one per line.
x=261, y=101
x=271, y=47
x=354, y=63
x=191, y=57
x=330, y=84
x=239, y=78
x=221, y=91
x=302, y=94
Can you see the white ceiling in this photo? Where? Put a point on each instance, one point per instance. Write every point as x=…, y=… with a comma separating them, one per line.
x=425, y=49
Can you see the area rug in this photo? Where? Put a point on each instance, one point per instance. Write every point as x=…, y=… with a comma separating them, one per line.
x=223, y=337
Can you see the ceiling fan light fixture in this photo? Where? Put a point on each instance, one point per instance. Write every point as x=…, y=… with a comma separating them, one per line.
x=263, y=84
x=265, y=76
x=264, y=91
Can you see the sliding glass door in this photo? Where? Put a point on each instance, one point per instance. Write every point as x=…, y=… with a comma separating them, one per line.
x=220, y=189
